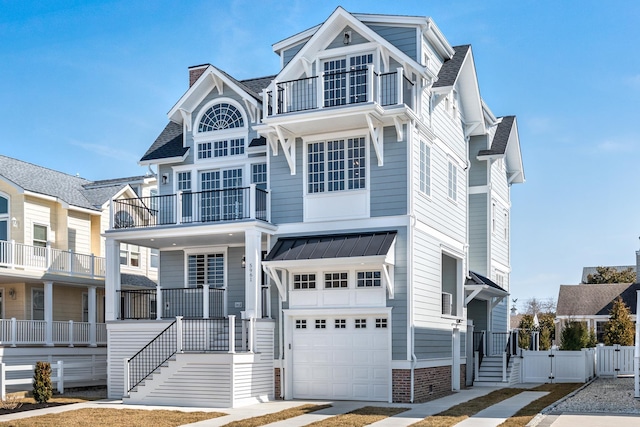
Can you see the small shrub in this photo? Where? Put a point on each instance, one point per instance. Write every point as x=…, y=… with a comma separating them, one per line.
x=620, y=328
x=576, y=336
x=10, y=402
x=42, y=388
x=524, y=340
x=545, y=338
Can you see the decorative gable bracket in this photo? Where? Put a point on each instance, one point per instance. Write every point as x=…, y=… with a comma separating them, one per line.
x=279, y=278
x=288, y=143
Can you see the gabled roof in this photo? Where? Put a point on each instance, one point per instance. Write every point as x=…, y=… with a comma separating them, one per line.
x=167, y=145
x=256, y=85
x=98, y=196
x=26, y=176
x=501, y=137
x=594, y=299
x=479, y=279
x=450, y=69
x=332, y=246
x=506, y=144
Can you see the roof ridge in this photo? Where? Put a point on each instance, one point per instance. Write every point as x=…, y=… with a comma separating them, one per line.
x=47, y=168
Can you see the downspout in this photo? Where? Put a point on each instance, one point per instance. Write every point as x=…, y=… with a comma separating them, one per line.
x=281, y=346
x=414, y=362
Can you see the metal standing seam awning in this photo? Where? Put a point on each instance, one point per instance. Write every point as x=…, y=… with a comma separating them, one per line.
x=373, y=248
x=478, y=286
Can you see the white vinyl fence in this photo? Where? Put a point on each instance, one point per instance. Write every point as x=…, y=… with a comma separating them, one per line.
x=60, y=372
x=615, y=360
x=554, y=366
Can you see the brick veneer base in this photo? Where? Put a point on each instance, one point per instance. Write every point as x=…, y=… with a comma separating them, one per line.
x=276, y=384
x=429, y=383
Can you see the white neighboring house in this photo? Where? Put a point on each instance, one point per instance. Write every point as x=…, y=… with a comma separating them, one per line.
x=317, y=228
x=52, y=265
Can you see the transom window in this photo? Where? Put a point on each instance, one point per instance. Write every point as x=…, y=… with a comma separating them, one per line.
x=221, y=116
x=368, y=279
x=335, y=280
x=304, y=281
x=206, y=269
x=230, y=147
x=336, y=165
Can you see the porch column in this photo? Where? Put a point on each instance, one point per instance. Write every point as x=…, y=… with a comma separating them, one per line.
x=112, y=279
x=91, y=296
x=48, y=313
x=252, y=273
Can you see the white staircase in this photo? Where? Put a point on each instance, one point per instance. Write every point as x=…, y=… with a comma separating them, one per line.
x=490, y=373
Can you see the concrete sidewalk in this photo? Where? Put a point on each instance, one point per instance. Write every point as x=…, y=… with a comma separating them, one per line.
x=586, y=420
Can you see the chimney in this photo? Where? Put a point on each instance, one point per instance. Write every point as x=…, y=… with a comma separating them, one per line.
x=195, y=72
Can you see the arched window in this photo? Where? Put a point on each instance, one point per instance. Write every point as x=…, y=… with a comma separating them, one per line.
x=221, y=116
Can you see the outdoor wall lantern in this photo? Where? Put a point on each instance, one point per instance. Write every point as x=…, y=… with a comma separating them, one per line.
x=347, y=37
x=14, y=222
x=12, y=293
x=243, y=262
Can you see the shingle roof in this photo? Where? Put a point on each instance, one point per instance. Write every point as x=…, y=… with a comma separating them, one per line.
x=257, y=84
x=501, y=137
x=136, y=280
x=451, y=68
x=258, y=142
x=98, y=196
x=594, y=299
x=332, y=246
x=168, y=144
x=68, y=188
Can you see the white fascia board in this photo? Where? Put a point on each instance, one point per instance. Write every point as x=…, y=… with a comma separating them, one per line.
x=438, y=40
x=84, y=210
x=490, y=157
x=123, y=190
x=12, y=184
x=295, y=39
x=349, y=311
x=201, y=88
x=514, y=154
x=470, y=93
x=47, y=197
x=320, y=39
x=489, y=117
x=166, y=160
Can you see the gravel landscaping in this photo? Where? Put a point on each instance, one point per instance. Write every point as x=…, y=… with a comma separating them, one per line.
x=602, y=395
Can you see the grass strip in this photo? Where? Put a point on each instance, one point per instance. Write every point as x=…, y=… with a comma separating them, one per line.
x=109, y=417
x=359, y=417
x=461, y=412
x=277, y=416
x=526, y=414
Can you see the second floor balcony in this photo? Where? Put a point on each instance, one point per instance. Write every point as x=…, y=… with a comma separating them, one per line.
x=210, y=206
x=45, y=259
x=341, y=88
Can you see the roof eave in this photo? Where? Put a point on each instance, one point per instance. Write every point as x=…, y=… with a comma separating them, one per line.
x=165, y=160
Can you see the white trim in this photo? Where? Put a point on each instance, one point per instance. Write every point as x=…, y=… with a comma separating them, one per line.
x=425, y=363
x=478, y=189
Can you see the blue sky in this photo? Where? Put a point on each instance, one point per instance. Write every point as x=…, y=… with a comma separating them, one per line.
x=85, y=87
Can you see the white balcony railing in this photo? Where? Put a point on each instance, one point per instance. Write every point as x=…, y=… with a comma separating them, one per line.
x=26, y=257
x=15, y=332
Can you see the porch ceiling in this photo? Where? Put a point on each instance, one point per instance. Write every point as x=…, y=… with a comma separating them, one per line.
x=191, y=235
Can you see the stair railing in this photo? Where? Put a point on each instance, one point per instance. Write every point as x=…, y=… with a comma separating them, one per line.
x=153, y=355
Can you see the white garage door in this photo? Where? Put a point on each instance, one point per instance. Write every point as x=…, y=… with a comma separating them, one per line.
x=342, y=358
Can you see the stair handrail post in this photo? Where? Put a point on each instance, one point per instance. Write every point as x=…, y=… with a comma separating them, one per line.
x=70, y=333
x=251, y=333
x=232, y=335
x=179, y=334
x=159, y=303
x=504, y=366
x=127, y=374
x=476, y=365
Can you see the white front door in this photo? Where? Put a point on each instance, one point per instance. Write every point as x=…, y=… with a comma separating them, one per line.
x=341, y=357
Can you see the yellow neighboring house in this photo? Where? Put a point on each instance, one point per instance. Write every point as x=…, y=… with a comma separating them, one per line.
x=52, y=264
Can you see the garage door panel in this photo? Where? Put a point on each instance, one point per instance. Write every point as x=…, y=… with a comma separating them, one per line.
x=341, y=363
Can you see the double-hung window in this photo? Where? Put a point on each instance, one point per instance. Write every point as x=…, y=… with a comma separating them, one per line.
x=4, y=218
x=346, y=86
x=425, y=168
x=453, y=182
x=336, y=165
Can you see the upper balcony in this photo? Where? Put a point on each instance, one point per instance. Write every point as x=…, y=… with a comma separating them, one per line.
x=353, y=92
x=45, y=259
x=205, y=207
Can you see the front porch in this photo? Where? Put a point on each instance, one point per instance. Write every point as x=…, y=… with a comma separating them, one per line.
x=48, y=333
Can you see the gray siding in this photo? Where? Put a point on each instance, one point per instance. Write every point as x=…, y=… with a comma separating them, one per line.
x=399, y=303
x=389, y=182
x=235, y=281
x=403, y=38
x=171, y=274
x=288, y=54
x=286, y=189
x=432, y=343
x=356, y=38
x=499, y=317
x=478, y=170
x=477, y=311
x=478, y=223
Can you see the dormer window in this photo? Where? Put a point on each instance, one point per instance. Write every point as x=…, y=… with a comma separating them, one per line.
x=221, y=131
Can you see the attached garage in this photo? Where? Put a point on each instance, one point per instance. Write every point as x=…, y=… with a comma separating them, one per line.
x=341, y=357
